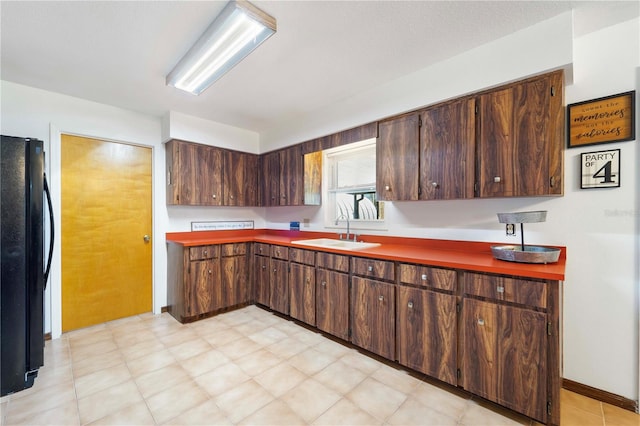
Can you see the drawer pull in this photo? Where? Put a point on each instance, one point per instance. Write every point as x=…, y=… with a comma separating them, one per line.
x=424, y=277
x=410, y=305
x=370, y=269
x=381, y=298
x=500, y=289
x=497, y=179
x=204, y=252
x=480, y=321
x=324, y=283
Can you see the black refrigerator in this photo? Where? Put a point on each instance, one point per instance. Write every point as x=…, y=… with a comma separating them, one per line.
x=23, y=273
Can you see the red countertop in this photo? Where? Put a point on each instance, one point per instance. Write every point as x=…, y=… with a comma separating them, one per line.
x=467, y=255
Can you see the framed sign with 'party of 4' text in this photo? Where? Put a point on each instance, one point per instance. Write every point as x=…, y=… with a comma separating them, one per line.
x=600, y=169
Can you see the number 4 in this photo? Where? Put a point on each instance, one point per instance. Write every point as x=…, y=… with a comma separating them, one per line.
x=604, y=172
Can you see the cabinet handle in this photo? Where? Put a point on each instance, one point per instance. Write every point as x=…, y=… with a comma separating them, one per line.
x=500, y=289
x=169, y=178
x=410, y=305
x=496, y=179
x=387, y=188
x=275, y=270
x=480, y=321
x=370, y=269
x=324, y=283
x=231, y=196
x=264, y=267
x=204, y=252
x=552, y=181
x=424, y=277
x=214, y=196
x=434, y=184
x=209, y=271
x=308, y=280
x=381, y=298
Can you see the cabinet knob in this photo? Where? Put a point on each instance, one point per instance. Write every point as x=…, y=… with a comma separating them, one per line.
x=387, y=188
x=308, y=280
x=264, y=267
x=496, y=179
x=410, y=305
x=204, y=252
x=231, y=196
x=324, y=283
x=480, y=321
x=500, y=289
x=275, y=270
x=381, y=298
x=214, y=196
x=370, y=269
x=434, y=184
x=209, y=271
x=424, y=277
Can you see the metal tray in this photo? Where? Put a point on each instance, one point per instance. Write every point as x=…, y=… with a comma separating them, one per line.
x=531, y=254
x=523, y=217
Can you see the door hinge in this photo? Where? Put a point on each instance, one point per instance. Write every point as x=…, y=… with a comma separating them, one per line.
x=477, y=109
x=459, y=374
x=553, y=90
x=419, y=121
x=458, y=311
x=548, y=408
x=549, y=326
x=552, y=181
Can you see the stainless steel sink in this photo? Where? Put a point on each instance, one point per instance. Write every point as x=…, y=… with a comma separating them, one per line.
x=334, y=243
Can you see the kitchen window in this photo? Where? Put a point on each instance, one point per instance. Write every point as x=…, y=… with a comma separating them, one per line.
x=350, y=186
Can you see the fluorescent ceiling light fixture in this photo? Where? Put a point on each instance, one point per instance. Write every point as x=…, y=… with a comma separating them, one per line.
x=236, y=32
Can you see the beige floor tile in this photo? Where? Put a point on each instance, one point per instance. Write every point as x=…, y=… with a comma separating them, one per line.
x=23, y=407
x=108, y=401
x=47, y=376
x=206, y=413
x=102, y=379
x=132, y=338
x=234, y=318
x=222, y=338
x=85, y=351
x=340, y=377
x=476, y=414
x=310, y=399
x=280, y=379
x=412, y=412
x=90, y=336
x=309, y=337
x=249, y=327
x=580, y=401
x=398, y=379
x=287, y=347
x=288, y=327
x=63, y=415
x=204, y=362
x=135, y=414
x=243, y=400
x=158, y=380
x=150, y=362
x=619, y=416
x=175, y=339
x=274, y=413
x=94, y=363
x=267, y=336
x=239, y=348
x=258, y=362
x=190, y=349
x=141, y=349
x=346, y=413
x=362, y=362
x=376, y=398
x=334, y=349
x=222, y=379
x=442, y=400
x=311, y=361
x=175, y=400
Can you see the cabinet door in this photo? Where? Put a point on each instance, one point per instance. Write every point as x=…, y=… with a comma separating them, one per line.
x=208, y=176
x=292, y=176
x=240, y=179
x=332, y=303
x=262, y=274
x=279, y=286
x=447, y=151
x=397, y=151
x=505, y=356
x=427, y=332
x=302, y=293
x=373, y=316
x=203, y=293
x=234, y=280
x=521, y=139
x=270, y=179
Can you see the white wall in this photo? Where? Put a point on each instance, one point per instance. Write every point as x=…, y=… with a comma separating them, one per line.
x=599, y=227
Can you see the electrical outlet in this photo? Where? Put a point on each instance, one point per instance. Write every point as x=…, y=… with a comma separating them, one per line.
x=511, y=229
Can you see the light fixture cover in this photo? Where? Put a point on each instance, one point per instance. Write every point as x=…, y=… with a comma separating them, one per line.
x=236, y=32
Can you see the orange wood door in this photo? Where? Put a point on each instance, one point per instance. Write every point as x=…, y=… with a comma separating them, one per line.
x=106, y=214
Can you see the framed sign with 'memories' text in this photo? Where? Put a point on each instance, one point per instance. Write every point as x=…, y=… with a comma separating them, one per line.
x=602, y=120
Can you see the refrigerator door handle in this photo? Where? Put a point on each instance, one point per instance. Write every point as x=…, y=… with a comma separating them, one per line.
x=51, y=235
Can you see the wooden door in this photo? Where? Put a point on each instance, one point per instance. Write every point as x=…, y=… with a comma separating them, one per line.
x=279, y=286
x=373, y=316
x=270, y=179
x=480, y=333
x=234, y=280
x=447, y=151
x=208, y=176
x=332, y=302
x=262, y=274
x=203, y=294
x=427, y=332
x=397, y=151
x=240, y=179
x=302, y=293
x=291, y=176
x=106, y=198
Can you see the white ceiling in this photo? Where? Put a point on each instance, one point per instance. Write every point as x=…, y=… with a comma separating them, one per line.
x=118, y=53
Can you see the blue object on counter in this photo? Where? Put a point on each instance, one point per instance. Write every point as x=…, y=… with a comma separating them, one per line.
x=294, y=226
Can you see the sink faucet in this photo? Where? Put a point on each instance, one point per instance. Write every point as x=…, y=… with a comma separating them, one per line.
x=348, y=236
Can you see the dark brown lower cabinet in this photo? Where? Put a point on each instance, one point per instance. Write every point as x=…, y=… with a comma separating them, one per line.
x=332, y=302
x=373, y=316
x=234, y=268
x=302, y=293
x=505, y=351
x=203, y=293
x=262, y=274
x=427, y=332
x=279, y=286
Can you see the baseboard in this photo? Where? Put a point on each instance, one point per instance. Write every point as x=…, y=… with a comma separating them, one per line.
x=600, y=395
x=47, y=336
x=164, y=309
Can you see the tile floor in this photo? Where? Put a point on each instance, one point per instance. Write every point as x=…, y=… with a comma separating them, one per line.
x=244, y=367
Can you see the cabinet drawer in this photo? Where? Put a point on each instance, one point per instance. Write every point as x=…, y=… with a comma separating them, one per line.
x=525, y=292
x=262, y=249
x=426, y=276
x=280, y=252
x=373, y=268
x=336, y=262
x=306, y=257
x=236, y=249
x=203, y=252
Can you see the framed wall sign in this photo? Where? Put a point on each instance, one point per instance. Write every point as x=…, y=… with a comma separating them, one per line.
x=602, y=120
x=600, y=169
